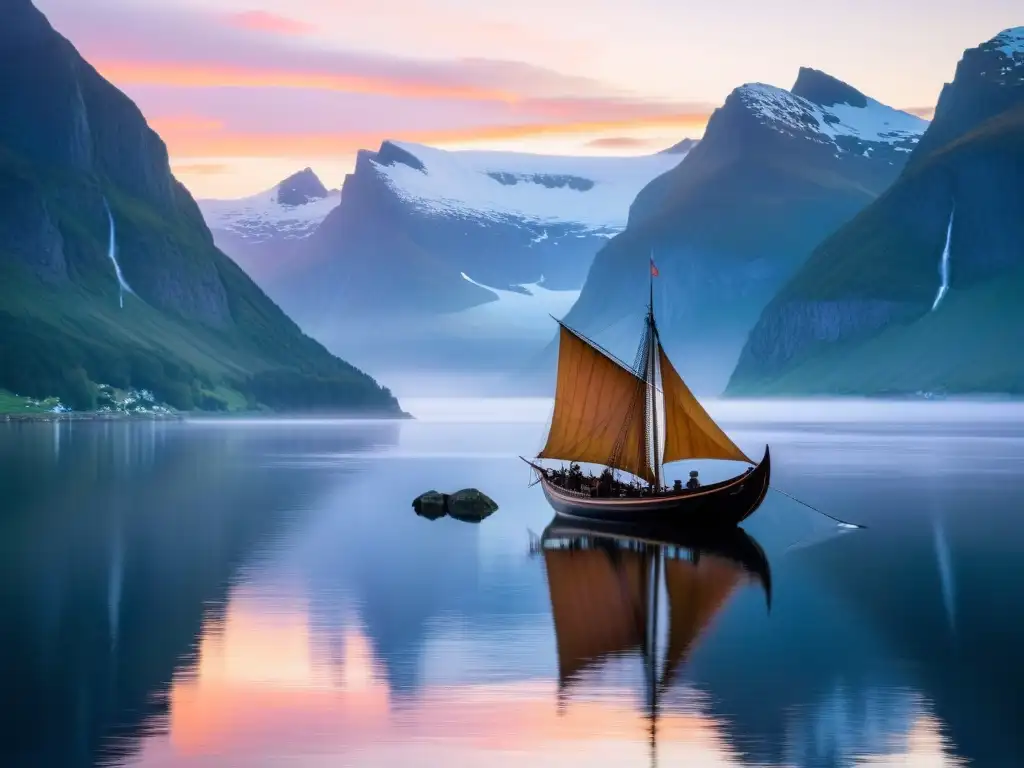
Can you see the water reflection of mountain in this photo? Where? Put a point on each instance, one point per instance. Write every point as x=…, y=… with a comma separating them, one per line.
x=118, y=540
x=964, y=642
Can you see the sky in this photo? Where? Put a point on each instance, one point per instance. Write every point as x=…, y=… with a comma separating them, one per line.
x=246, y=92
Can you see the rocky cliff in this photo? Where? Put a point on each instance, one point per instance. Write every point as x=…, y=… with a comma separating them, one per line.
x=109, y=273
x=925, y=277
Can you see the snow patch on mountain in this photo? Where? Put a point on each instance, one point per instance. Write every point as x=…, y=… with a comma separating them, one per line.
x=594, y=192
x=836, y=124
x=261, y=217
x=522, y=313
x=1010, y=42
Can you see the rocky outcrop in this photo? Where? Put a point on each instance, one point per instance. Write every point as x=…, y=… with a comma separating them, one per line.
x=468, y=505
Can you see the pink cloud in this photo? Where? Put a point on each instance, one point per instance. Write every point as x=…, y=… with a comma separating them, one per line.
x=262, y=21
x=298, y=144
x=192, y=49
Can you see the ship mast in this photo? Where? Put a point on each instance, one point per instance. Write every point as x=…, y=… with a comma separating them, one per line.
x=650, y=373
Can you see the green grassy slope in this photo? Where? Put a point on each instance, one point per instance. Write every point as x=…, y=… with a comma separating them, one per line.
x=970, y=344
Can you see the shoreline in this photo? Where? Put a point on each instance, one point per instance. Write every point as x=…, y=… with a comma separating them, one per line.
x=179, y=416
x=89, y=416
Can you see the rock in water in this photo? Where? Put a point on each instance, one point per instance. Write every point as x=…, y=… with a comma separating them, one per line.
x=470, y=505
x=430, y=505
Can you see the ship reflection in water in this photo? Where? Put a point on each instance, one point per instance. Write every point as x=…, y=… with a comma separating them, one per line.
x=607, y=598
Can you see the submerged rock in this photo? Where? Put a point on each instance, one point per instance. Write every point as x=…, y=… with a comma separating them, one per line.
x=430, y=505
x=470, y=505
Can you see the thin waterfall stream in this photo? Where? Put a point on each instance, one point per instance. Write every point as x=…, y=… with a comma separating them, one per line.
x=944, y=262
x=112, y=253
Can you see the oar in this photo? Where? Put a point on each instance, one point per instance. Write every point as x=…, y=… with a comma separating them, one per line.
x=815, y=509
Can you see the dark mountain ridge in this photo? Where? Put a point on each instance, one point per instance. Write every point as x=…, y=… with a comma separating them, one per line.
x=865, y=315
x=193, y=328
x=776, y=172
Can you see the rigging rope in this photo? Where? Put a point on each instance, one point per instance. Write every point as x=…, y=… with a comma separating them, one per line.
x=815, y=509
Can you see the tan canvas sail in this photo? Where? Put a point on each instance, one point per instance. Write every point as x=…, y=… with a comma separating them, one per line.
x=696, y=592
x=599, y=605
x=690, y=433
x=595, y=397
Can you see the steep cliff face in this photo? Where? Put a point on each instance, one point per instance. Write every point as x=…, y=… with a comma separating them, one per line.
x=776, y=172
x=77, y=163
x=929, y=249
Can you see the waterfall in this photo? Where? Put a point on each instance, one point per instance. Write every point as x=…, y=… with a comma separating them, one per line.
x=944, y=263
x=112, y=253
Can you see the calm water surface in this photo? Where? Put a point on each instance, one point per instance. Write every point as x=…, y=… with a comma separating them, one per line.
x=261, y=594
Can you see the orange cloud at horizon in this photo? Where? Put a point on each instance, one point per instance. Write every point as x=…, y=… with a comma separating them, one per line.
x=200, y=169
x=220, y=75
x=185, y=124
x=227, y=144
x=263, y=21
x=627, y=142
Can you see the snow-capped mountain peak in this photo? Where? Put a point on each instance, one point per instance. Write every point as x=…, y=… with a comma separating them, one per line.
x=290, y=210
x=1008, y=66
x=591, y=192
x=1010, y=42
x=851, y=124
x=301, y=188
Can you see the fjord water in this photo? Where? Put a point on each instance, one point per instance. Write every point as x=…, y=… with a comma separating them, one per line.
x=226, y=593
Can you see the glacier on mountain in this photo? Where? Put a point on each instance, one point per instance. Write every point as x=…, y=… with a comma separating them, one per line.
x=525, y=312
x=594, y=192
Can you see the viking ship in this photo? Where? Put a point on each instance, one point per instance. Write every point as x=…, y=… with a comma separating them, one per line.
x=605, y=599
x=608, y=413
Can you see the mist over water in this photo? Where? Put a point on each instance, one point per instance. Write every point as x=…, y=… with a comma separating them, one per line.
x=218, y=593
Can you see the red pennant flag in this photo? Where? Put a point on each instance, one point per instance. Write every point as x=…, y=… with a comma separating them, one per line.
x=654, y=269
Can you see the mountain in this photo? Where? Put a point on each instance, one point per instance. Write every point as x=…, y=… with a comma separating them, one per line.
x=921, y=291
x=422, y=234
x=107, y=271
x=776, y=172
x=262, y=232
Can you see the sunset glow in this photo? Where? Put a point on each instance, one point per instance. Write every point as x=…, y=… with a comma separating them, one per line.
x=310, y=82
x=265, y=686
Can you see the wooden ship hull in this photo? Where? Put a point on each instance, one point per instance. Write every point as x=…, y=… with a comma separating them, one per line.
x=717, y=505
